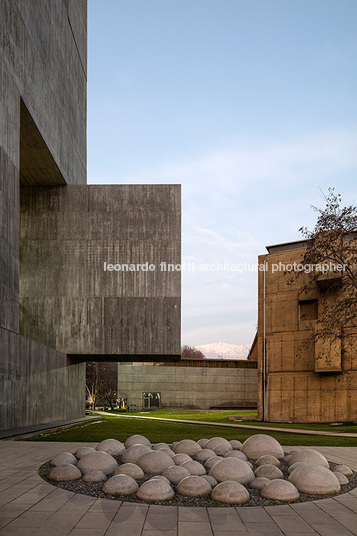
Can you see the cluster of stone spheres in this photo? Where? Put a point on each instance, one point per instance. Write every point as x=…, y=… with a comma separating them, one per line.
x=214, y=468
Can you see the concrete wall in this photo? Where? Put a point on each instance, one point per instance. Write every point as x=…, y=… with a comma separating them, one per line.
x=69, y=301
x=42, y=120
x=189, y=387
x=303, y=383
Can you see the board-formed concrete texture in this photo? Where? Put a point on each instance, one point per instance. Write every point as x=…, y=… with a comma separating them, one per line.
x=195, y=384
x=58, y=307
x=307, y=379
x=70, y=300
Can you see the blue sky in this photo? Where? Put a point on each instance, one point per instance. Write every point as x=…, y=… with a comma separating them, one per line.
x=249, y=104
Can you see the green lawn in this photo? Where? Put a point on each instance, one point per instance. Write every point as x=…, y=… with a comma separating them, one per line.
x=222, y=417
x=156, y=431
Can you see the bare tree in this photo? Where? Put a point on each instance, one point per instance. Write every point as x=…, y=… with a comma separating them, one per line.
x=331, y=249
x=190, y=352
x=102, y=382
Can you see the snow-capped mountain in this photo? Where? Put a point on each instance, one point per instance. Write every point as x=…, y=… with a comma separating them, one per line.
x=224, y=350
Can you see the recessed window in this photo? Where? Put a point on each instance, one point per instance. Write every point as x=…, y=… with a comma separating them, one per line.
x=151, y=400
x=308, y=310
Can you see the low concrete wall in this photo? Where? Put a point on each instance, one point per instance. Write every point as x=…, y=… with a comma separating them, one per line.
x=189, y=387
x=38, y=385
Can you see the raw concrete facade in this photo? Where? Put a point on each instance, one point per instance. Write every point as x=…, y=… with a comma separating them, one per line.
x=191, y=384
x=58, y=307
x=307, y=379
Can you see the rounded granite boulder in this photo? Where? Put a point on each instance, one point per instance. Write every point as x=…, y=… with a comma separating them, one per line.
x=187, y=446
x=232, y=469
x=154, y=462
x=261, y=444
x=176, y=473
x=202, y=442
x=194, y=468
x=280, y=490
x=230, y=492
x=94, y=476
x=343, y=469
x=132, y=454
x=236, y=445
x=194, y=486
x=236, y=454
x=136, y=440
x=258, y=483
x=211, y=461
x=155, y=490
x=159, y=446
x=97, y=461
x=180, y=458
x=120, y=485
x=210, y=480
x=82, y=451
x=215, y=441
x=203, y=455
x=341, y=478
x=111, y=446
x=268, y=471
x=309, y=456
x=222, y=449
x=64, y=458
x=65, y=473
x=296, y=465
x=267, y=459
x=315, y=479
x=168, y=451
x=130, y=469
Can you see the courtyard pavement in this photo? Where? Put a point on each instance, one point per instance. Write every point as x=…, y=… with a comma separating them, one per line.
x=31, y=506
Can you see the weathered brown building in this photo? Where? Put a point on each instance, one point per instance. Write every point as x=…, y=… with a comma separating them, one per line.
x=306, y=378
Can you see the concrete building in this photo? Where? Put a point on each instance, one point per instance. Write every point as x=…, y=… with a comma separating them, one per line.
x=307, y=379
x=189, y=384
x=60, y=304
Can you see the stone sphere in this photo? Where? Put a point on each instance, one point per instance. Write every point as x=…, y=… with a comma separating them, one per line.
x=211, y=461
x=268, y=471
x=187, y=446
x=271, y=460
x=222, y=449
x=261, y=444
x=160, y=477
x=130, y=469
x=232, y=469
x=202, y=442
x=173, y=445
x=168, y=451
x=64, y=458
x=341, y=478
x=154, y=462
x=343, y=469
x=160, y=446
x=133, y=453
x=230, y=492
x=258, y=483
x=120, y=485
x=94, y=476
x=111, y=446
x=97, y=461
x=215, y=441
x=296, y=465
x=288, y=457
x=65, y=473
x=204, y=454
x=82, y=451
x=280, y=490
x=194, y=486
x=210, y=480
x=236, y=454
x=236, y=445
x=155, y=490
x=309, y=456
x=194, y=468
x=176, y=473
x=180, y=458
x=136, y=440
x=315, y=479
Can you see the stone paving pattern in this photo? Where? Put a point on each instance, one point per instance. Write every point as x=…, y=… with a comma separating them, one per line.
x=31, y=506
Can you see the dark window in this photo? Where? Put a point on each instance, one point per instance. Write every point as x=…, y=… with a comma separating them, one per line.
x=308, y=310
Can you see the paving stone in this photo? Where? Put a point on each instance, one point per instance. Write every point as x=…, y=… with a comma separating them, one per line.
x=292, y=523
x=193, y=514
x=227, y=523
x=194, y=528
x=255, y=514
x=263, y=529
x=161, y=522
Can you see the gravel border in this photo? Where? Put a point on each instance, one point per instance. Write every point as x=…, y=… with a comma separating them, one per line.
x=94, y=489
